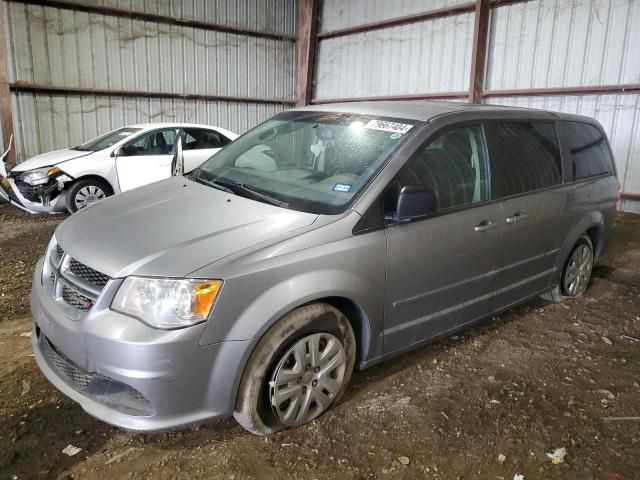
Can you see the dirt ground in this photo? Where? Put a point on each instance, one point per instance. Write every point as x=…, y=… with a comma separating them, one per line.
x=537, y=378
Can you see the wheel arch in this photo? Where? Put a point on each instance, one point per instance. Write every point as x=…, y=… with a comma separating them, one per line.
x=95, y=177
x=591, y=224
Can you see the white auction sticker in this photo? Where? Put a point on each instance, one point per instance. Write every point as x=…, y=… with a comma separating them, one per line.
x=385, y=126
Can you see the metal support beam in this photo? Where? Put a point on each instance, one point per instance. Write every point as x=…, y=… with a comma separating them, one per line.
x=406, y=20
x=49, y=89
x=6, y=118
x=555, y=91
x=153, y=17
x=413, y=96
x=479, y=52
x=307, y=42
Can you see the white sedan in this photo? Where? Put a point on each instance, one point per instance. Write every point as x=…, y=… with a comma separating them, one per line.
x=132, y=156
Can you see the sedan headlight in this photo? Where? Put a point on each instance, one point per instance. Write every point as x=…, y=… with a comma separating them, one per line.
x=165, y=302
x=40, y=176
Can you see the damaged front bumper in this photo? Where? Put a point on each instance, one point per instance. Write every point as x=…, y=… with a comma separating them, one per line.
x=47, y=198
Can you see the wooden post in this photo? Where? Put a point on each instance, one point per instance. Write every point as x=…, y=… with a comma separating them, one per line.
x=6, y=119
x=479, y=54
x=307, y=42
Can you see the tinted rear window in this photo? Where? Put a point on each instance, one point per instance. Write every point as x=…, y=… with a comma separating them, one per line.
x=525, y=156
x=590, y=154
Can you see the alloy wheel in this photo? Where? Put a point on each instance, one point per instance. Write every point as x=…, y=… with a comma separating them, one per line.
x=307, y=378
x=578, y=271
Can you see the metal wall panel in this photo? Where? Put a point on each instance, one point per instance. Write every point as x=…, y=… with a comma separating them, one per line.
x=430, y=56
x=561, y=43
x=338, y=14
x=620, y=117
x=47, y=122
x=75, y=49
x=273, y=16
x=65, y=48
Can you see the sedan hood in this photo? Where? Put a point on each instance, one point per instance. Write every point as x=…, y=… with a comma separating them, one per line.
x=49, y=159
x=171, y=228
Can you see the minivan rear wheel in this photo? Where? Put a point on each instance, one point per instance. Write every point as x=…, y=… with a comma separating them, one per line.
x=577, y=270
x=298, y=370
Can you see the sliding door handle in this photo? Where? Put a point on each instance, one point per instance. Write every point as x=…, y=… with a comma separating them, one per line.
x=517, y=217
x=485, y=225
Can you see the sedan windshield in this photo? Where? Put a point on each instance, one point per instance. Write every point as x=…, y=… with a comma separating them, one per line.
x=316, y=162
x=107, y=140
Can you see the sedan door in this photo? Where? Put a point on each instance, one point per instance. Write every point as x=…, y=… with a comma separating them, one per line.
x=527, y=176
x=146, y=159
x=440, y=268
x=199, y=145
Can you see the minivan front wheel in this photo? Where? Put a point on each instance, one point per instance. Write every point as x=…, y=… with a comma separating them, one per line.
x=298, y=370
x=577, y=270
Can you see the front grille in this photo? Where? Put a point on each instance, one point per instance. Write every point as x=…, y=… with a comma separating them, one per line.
x=59, y=252
x=88, y=274
x=76, y=299
x=104, y=390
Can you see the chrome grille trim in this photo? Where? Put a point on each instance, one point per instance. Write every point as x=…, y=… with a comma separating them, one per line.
x=74, y=284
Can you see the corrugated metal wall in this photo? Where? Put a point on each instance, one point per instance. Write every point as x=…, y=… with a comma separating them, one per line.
x=66, y=48
x=568, y=43
x=339, y=14
x=430, y=56
x=532, y=44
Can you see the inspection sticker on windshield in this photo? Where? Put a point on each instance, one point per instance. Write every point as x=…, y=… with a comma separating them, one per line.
x=342, y=187
x=393, y=127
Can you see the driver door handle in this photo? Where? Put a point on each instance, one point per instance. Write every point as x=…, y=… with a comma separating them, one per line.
x=517, y=217
x=485, y=225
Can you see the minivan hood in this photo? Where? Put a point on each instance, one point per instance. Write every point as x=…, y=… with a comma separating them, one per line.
x=171, y=228
x=49, y=159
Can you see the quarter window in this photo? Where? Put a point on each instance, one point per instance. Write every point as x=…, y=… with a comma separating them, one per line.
x=453, y=165
x=525, y=156
x=589, y=151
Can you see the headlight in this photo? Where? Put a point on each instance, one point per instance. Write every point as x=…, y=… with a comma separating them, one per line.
x=40, y=176
x=165, y=302
x=46, y=265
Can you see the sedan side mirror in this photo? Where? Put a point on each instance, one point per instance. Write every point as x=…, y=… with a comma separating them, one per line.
x=415, y=201
x=117, y=152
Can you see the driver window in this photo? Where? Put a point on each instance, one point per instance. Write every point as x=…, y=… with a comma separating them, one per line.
x=453, y=165
x=158, y=142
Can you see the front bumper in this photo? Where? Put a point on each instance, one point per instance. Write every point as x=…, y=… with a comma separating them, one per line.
x=130, y=375
x=11, y=193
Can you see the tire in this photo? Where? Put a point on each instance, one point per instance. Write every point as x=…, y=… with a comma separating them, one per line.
x=563, y=290
x=274, y=371
x=576, y=272
x=90, y=190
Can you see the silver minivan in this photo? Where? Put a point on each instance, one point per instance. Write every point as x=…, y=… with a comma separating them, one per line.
x=327, y=238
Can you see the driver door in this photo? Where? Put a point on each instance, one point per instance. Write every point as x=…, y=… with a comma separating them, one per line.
x=440, y=268
x=146, y=159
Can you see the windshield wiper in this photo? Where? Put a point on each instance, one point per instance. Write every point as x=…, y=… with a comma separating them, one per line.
x=237, y=187
x=214, y=184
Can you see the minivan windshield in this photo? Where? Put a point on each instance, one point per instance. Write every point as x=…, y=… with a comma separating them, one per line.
x=316, y=162
x=106, y=140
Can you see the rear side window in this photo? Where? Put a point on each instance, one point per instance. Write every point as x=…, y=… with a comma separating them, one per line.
x=589, y=151
x=525, y=156
x=198, y=139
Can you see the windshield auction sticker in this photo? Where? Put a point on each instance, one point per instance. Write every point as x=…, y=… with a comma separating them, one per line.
x=392, y=127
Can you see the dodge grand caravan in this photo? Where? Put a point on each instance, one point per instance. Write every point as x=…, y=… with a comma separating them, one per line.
x=327, y=238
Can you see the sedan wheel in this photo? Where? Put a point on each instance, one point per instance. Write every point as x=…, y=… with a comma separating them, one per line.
x=88, y=195
x=307, y=378
x=577, y=271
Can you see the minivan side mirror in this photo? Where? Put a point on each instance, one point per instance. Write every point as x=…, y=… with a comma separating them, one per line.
x=415, y=201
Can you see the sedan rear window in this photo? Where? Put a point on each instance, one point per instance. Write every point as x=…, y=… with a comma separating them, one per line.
x=107, y=140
